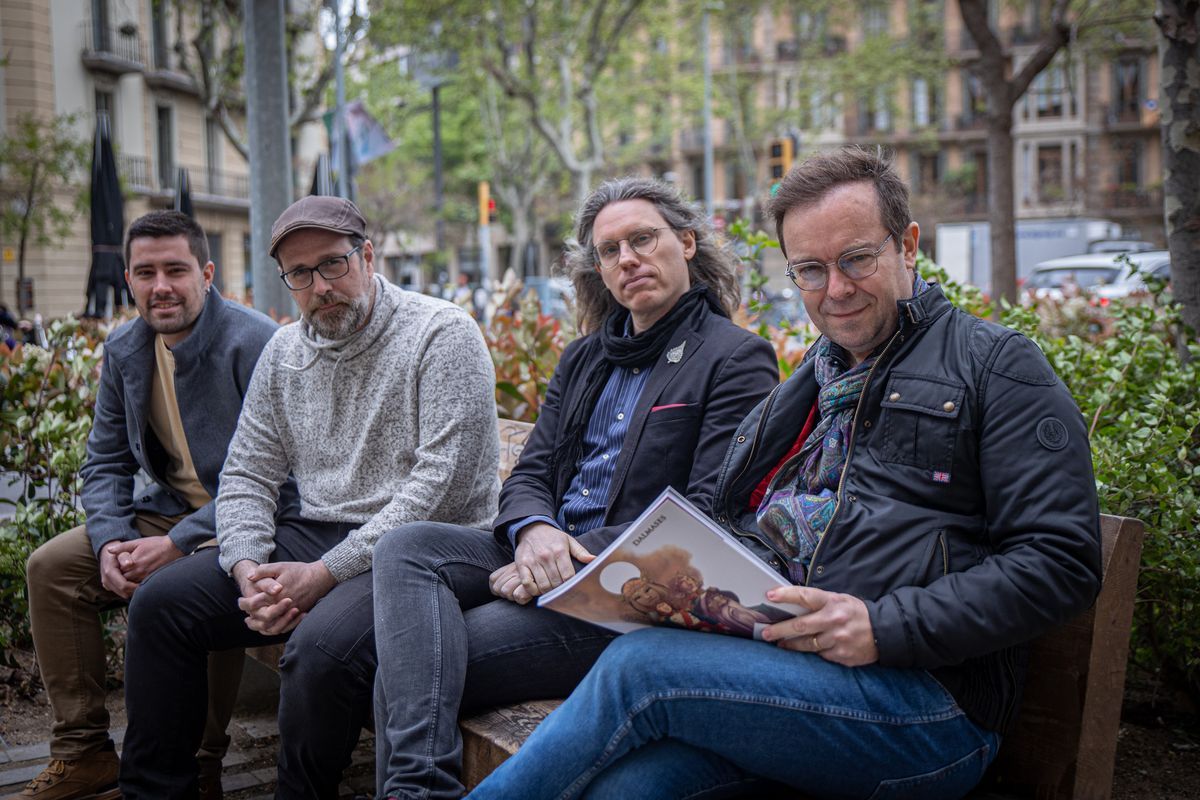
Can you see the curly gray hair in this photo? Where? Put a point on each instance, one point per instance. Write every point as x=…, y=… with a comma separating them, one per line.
x=714, y=262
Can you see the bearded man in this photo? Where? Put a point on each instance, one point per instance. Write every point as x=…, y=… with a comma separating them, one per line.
x=381, y=403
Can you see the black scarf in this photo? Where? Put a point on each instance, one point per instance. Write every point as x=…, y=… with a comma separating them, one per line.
x=616, y=349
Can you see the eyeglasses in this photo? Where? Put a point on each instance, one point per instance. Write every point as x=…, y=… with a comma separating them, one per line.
x=809, y=276
x=331, y=269
x=642, y=242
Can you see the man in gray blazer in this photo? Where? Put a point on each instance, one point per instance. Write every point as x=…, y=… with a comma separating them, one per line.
x=171, y=389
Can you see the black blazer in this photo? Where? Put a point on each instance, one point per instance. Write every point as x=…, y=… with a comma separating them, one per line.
x=680, y=430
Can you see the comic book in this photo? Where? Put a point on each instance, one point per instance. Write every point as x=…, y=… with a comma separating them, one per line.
x=674, y=566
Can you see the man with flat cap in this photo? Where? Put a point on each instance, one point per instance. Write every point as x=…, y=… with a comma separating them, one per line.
x=381, y=403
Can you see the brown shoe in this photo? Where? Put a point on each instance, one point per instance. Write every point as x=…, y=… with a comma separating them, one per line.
x=210, y=781
x=91, y=777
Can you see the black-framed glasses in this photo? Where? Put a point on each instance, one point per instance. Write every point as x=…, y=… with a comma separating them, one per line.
x=331, y=269
x=809, y=276
x=642, y=241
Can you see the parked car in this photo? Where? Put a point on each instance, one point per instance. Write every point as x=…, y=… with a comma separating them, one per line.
x=1119, y=246
x=1153, y=263
x=1100, y=275
x=555, y=293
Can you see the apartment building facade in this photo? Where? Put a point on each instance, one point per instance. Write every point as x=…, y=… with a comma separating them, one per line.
x=1086, y=135
x=119, y=58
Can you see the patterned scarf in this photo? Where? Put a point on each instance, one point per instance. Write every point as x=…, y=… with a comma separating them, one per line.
x=798, y=509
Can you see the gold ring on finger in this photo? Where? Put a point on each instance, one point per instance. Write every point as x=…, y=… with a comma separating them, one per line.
x=816, y=645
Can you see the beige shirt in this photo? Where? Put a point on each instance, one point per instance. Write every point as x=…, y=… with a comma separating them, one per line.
x=167, y=425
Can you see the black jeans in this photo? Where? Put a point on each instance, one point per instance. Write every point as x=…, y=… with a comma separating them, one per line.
x=189, y=608
x=447, y=645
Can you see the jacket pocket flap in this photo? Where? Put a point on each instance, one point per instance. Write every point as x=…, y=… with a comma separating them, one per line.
x=937, y=397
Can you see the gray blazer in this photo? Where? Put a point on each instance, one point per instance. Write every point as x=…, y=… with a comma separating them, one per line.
x=213, y=366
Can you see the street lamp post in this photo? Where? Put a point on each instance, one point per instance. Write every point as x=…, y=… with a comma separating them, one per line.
x=339, y=118
x=270, y=147
x=708, y=138
x=439, y=199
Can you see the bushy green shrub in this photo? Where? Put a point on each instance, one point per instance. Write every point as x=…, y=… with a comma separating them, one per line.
x=46, y=400
x=1139, y=398
x=525, y=346
x=1140, y=401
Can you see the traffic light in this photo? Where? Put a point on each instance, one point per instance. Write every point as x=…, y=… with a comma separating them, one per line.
x=487, y=204
x=781, y=152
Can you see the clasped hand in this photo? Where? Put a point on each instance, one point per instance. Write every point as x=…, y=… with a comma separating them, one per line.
x=277, y=596
x=124, y=565
x=542, y=562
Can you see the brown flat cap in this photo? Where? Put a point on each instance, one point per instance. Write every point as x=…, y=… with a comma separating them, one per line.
x=334, y=214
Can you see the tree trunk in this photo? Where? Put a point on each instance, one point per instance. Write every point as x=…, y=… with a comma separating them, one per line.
x=26, y=224
x=521, y=229
x=1001, y=208
x=583, y=183
x=1179, y=24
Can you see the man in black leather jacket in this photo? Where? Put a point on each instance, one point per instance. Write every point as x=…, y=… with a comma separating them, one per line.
x=924, y=483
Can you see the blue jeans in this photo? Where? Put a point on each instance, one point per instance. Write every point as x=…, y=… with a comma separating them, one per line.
x=678, y=714
x=447, y=646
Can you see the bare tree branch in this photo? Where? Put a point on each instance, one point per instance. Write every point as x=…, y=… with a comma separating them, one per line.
x=1055, y=39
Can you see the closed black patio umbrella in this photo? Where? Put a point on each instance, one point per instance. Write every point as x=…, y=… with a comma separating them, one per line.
x=183, y=204
x=322, y=182
x=107, y=274
x=183, y=193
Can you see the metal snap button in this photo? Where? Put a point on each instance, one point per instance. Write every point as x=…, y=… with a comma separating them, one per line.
x=894, y=396
x=948, y=405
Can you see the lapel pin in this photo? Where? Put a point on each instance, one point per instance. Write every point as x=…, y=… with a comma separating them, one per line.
x=675, y=354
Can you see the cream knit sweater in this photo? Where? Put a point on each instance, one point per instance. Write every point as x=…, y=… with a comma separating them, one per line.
x=395, y=424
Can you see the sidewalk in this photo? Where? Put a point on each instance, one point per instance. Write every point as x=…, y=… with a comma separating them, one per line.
x=249, y=764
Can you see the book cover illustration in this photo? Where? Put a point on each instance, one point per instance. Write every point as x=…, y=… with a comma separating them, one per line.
x=674, y=566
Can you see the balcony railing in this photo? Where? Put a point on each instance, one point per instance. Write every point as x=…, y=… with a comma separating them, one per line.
x=833, y=45
x=135, y=172
x=970, y=122
x=1009, y=36
x=114, y=49
x=1127, y=117
x=221, y=183
x=1132, y=198
x=138, y=173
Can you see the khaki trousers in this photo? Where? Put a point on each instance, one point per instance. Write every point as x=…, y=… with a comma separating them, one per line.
x=65, y=601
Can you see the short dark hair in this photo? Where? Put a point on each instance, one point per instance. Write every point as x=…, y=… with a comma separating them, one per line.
x=819, y=174
x=162, y=224
x=714, y=262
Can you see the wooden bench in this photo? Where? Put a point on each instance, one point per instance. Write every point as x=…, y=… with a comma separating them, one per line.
x=1065, y=739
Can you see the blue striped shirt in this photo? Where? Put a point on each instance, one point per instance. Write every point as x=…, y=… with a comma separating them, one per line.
x=586, y=500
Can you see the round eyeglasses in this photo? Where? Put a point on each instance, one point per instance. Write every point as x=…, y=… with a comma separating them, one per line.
x=809, y=276
x=642, y=241
x=331, y=269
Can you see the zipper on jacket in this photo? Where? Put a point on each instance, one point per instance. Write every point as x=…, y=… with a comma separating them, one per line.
x=731, y=519
x=770, y=401
x=849, y=452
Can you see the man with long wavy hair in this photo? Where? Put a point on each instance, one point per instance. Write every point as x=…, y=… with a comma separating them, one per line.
x=648, y=398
